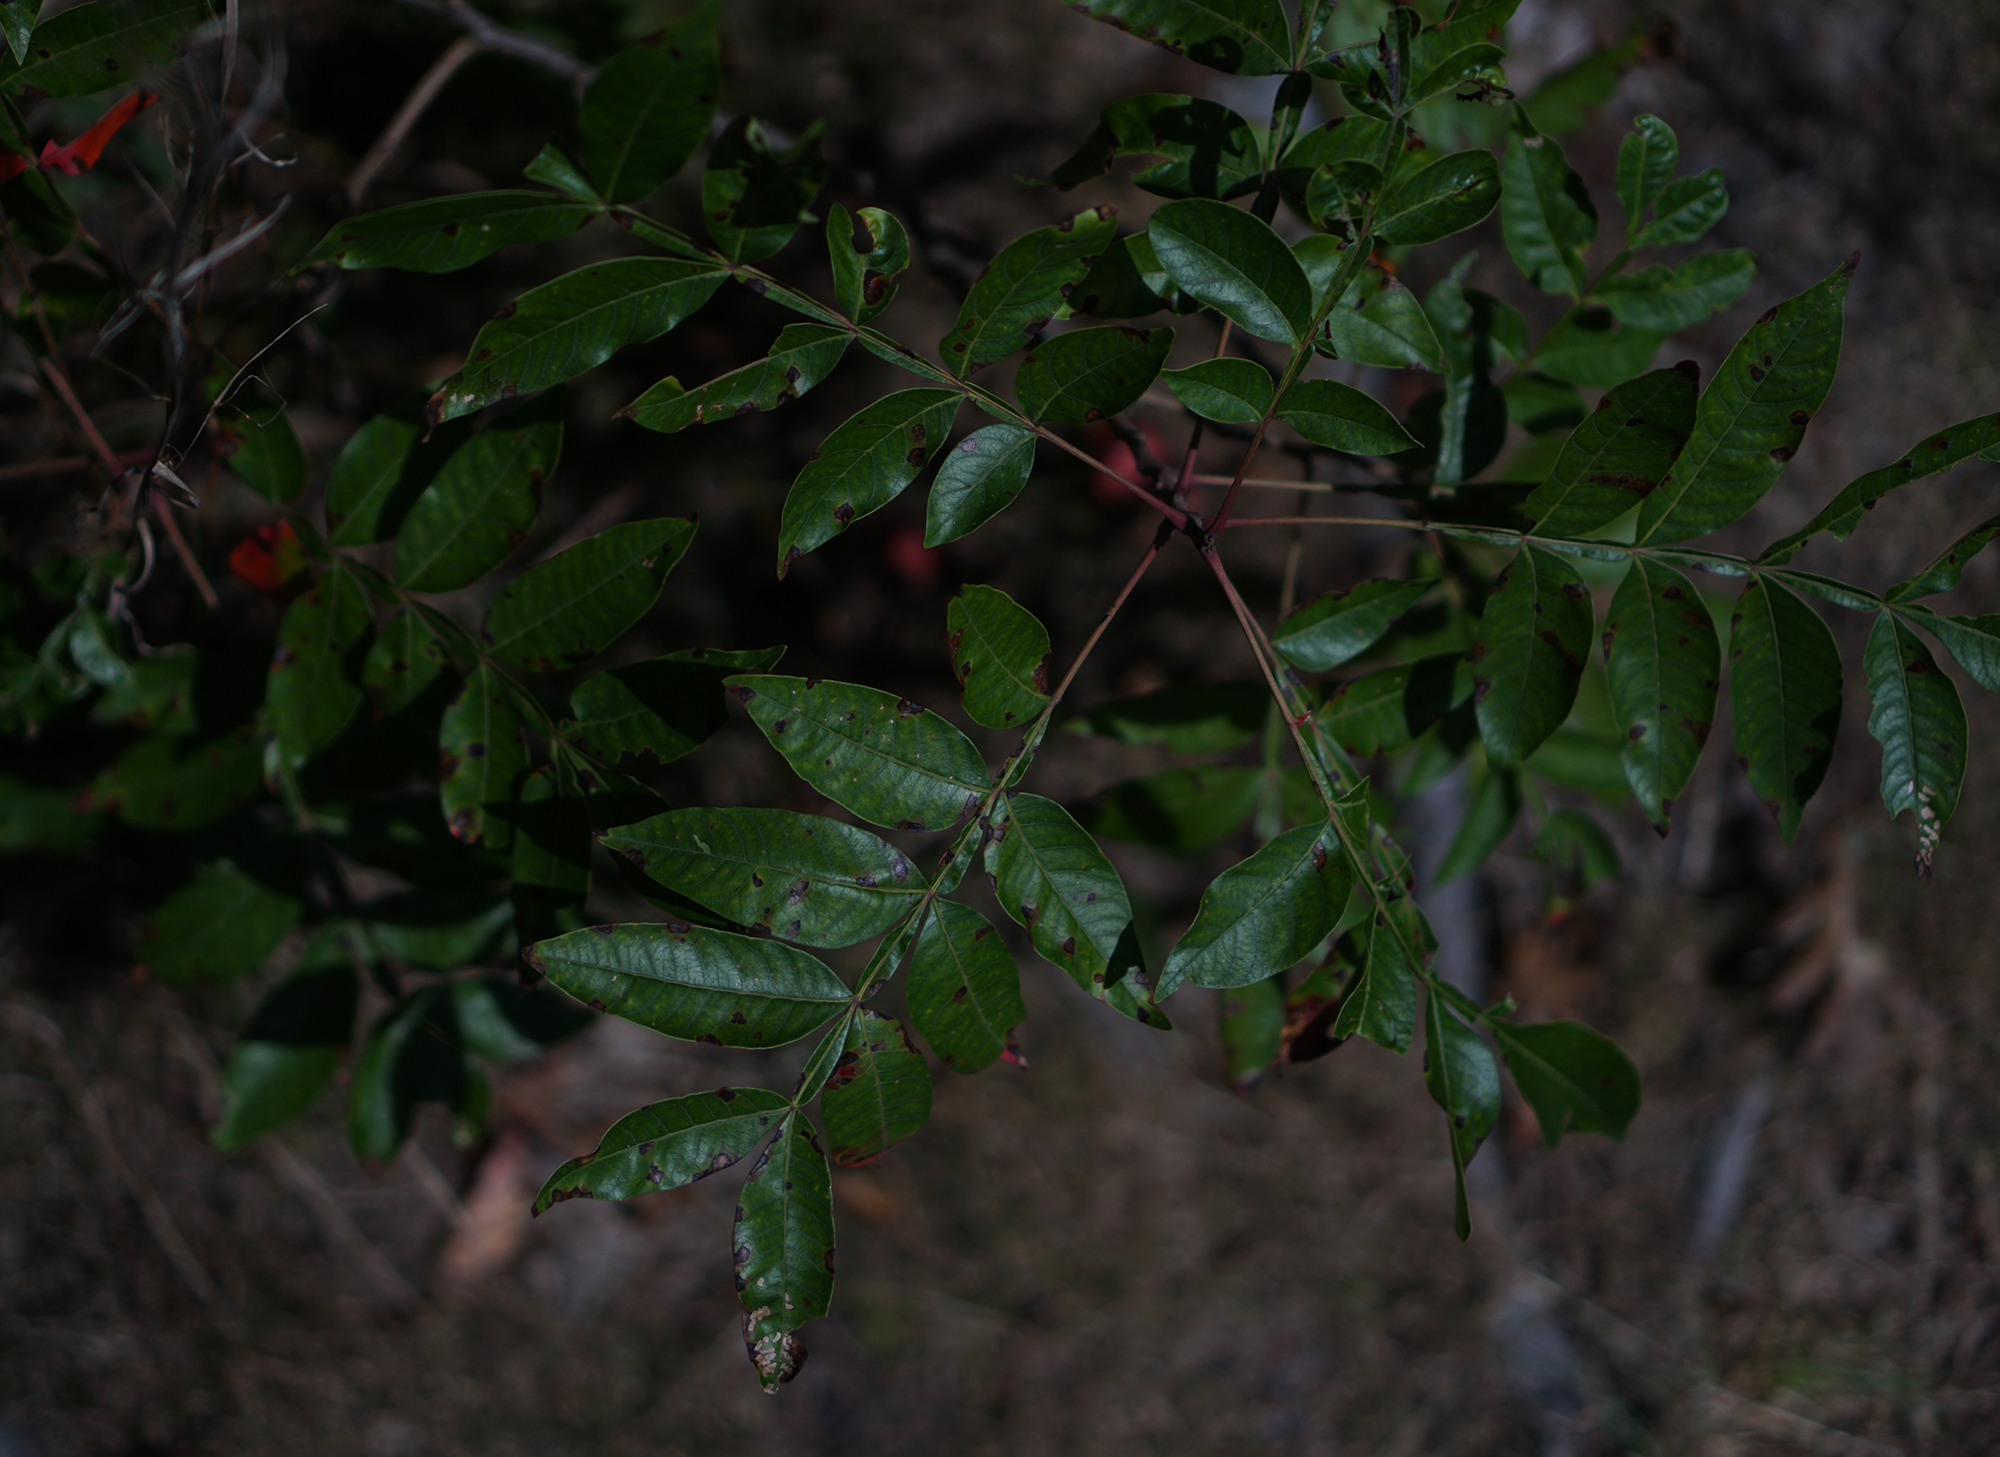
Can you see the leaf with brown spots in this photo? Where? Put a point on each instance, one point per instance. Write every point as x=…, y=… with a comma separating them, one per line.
x=444, y=234
x=862, y=466
x=1000, y=655
x=1041, y=858
x=581, y=600
x=1665, y=664
x=1530, y=655
x=667, y=1145
x=91, y=48
x=1784, y=670
x=802, y=356
x=784, y=1250
x=964, y=989
x=1264, y=914
x=882, y=1093
x=1919, y=722
x=1614, y=459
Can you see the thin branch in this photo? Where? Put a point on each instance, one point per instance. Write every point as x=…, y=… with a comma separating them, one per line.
x=63, y=464
x=414, y=106
x=504, y=42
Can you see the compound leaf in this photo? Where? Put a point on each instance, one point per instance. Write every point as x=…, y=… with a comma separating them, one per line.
x=1004, y=644
x=1919, y=722
x=1786, y=671
x=580, y=601
x=784, y=1250
x=1530, y=654
x=571, y=324
x=667, y=1145
x=1090, y=374
x=1341, y=417
x=695, y=983
x=964, y=989
x=444, y=234
x=480, y=504
x=1050, y=876
x=1753, y=415
x=1264, y=914
x=1664, y=667
x=879, y=1092
x=1576, y=1079
x=980, y=477
x=1624, y=449
x=1341, y=626
x=889, y=760
x=798, y=877
x=1235, y=264
x=1023, y=287
x=864, y=465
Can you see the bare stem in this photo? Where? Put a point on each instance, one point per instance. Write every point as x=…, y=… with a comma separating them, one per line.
x=414, y=106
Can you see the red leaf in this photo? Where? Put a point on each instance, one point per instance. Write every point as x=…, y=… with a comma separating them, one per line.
x=269, y=559
x=86, y=149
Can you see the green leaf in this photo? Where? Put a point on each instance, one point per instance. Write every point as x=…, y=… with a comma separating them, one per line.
x=1265, y=914
x=17, y=23
x=552, y=167
x=879, y=1092
x=889, y=760
x=1588, y=349
x=444, y=234
x=412, y=1057
x=1452, y=194
x=803, y=355
x=1496, y=804
x=1546, y=215
x=1667, y=299
x=694, y=983
x=1577, y=1080
x=1646, y=162
x=219, y=926
x=439, y=931
x=264, y=454
x=980, y=477
x=1529, y=659
x=1177, y=809
x=1023, y=288
x=292, y=1047
x=1685, y=211
x=1471, y=63
x=1942, y=574
x=666, y=707
x=649, y=106
x=1381, y=712
x=1236, y=265
x=1786, y=671
x=1928, y=457
x=91, y=48
x=1619, y=454
x=1341, y=417
x=405, y=660
x=1541, y=405
x=1232, y=391
x=754, y=194
x=368, y=475
x=1920, y=724
x=801, y=878
x=571, y=324
x=1242, y=37
x=1573, y=842
x=580, y=601
x=1753, y=414
x=1973, y=642
x=1126, y=282
x=1050, y=876
x=1341, y=626
x=1090, y=374
x=313, y=687
x=1003, y=643
x=1664, y=665
x=784, y=1250
x=865, y=283
x=481, y=503
x=1210, y=151
x=1562, y=104
x=1253, y=1030
x=1463, y=1079
x=1387, y=327
x=864, y=465
x=1187, y=718
x=170, y=782
x=1383, y=1003
x=484, y=760
x=667, y=1145
x=964, y=990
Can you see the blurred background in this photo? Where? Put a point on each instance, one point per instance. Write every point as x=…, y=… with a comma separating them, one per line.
x=1112, y=1250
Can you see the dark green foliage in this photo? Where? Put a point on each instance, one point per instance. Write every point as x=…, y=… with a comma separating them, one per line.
x=486, y=769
